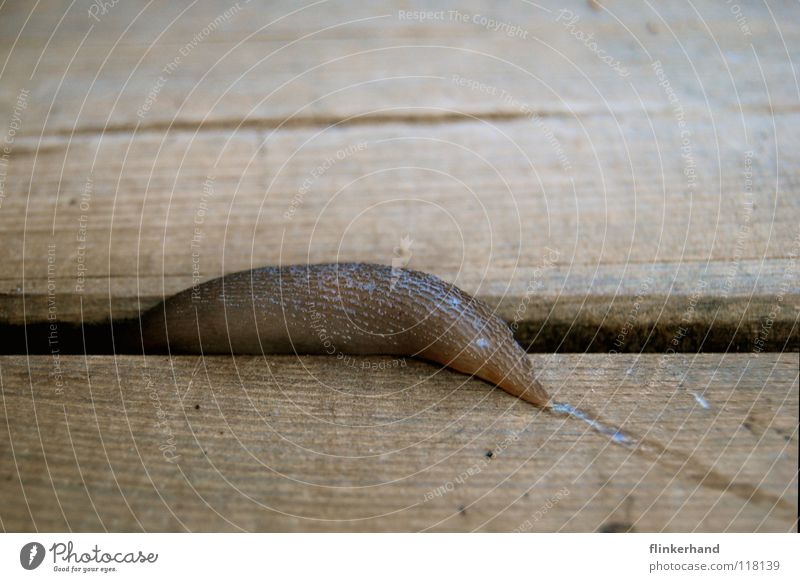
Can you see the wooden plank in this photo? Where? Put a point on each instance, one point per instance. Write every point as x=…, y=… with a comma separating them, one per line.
x=304, y=444
x=266, y=64
x=595, y=248
x=599, y=175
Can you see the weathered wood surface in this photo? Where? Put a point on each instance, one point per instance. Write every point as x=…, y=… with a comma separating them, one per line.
x=312, y=444
x=267, y=64
x=136, y=156
x=549, y=256
x=486, y=192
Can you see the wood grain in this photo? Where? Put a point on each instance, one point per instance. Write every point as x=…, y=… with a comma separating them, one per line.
x=307, y=444
x=552, y=151
x=653, y=211
x=272, y=63
x=485, y=205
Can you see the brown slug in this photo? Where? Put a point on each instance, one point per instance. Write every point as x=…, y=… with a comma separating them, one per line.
x=350, y=308
x=360, y=309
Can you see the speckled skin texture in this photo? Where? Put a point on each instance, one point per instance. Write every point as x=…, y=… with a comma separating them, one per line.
x=347, y=308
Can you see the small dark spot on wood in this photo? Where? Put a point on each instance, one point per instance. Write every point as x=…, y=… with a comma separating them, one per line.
x=616, y=527
x=652, y=27
x=9, y=477
x=197, y=407
x=222, y=432
x=489, y=454
x=525, y=494
x=787, y=438
x=594, y=4
x=747, y=425
x=462, y=510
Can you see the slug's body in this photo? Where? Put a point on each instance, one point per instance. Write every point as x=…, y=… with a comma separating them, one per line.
x=360, y=308
x=350, y=308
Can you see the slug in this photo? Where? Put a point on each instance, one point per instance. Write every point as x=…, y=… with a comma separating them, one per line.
x=361, y=309
x=355, y=309
x=350, y=308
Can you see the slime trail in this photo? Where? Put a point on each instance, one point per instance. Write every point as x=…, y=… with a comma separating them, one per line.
x=615, y=434
x=683, y=465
